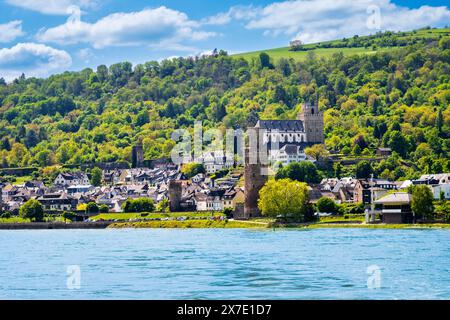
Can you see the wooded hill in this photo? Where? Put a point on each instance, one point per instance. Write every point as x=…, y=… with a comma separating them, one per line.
x=397, y=98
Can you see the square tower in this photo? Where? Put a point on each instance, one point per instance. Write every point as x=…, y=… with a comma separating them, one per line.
x=313, y=122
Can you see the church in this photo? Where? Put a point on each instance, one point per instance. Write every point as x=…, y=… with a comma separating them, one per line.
x=305, y=131
x=290, y=138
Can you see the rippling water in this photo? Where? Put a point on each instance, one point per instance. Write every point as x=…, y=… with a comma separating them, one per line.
x=225, y=264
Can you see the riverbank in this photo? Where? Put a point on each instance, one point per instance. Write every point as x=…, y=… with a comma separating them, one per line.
x=197, y=224
x=210, y=224
x=54, y=225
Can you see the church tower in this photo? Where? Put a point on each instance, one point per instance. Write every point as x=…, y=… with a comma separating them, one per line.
x=313, y=123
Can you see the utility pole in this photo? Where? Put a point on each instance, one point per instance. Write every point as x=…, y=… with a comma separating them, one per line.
x=1, y=198
x=372, y=199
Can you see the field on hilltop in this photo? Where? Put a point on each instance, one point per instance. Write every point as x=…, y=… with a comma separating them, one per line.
x=366, y=45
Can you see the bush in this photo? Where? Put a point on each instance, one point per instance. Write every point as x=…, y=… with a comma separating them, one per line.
x=92, y=207
x=139, y=205
x=103, y=208
x=228, y=212
x=6, y=215
x=69, y=216
x=326, y=205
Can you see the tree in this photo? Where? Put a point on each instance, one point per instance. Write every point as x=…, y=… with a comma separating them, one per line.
x=363, y=170
x=422, y=201
x=295, y=45
x=67, y=215
x=96, y=177
x=163, y=206
x=192, y=169
x=92, y=207
x=304, y=171
x=326, y=205
x=33, y=210
x=264, y=59
x=317, y=151
x=103, y=208
x=138, y=205
x=285, y=198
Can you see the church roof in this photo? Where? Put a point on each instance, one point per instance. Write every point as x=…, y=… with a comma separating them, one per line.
x=281, y=125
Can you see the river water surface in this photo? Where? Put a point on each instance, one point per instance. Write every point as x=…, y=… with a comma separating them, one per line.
x=225, y=264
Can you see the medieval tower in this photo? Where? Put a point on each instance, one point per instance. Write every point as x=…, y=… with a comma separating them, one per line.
x=307, y=130
x=255, y=175
x=313, y=123
x=175, y=194
x=137, y=156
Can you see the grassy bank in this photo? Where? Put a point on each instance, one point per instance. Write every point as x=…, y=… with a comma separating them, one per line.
x=190, y=224
x=144, y=216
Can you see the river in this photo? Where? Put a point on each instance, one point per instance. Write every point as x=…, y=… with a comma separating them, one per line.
x=225, y=264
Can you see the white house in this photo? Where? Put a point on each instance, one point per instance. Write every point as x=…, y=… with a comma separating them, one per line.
x=288, y=154
x=216, y=161
x=66, y=179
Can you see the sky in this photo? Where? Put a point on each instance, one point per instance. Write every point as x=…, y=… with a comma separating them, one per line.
x=43, y=37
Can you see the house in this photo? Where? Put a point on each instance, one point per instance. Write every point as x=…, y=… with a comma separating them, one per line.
x=66, y=179
x=232, y=197
x=364, y=188
x=58, y=202
x=383, y=152
x=289, y=153
x=438, y=183
x=216, y=161
x=211, y=200
x=79, y=189
x=342, y=189
x=198, y=178
x=396, y=208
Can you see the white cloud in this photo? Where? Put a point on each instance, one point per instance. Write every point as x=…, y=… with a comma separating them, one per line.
x=319, y=20
x=10, y=31
x=86, y=55
x=56, y=7
x=153, y=27
x=33, y=59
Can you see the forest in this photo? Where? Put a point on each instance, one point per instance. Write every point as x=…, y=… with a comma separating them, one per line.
x=398, y=99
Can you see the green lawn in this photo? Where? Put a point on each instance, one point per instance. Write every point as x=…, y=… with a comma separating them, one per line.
x=284, y=52
x=278, y=53
x=22, y=180
x=16, y=219
x=128, y=216
x=189, y=224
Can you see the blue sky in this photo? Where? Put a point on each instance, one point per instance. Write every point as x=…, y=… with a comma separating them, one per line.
x=41, y=37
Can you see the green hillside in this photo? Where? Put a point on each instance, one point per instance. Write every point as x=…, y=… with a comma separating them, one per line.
x=380, y=42
x=398, y=99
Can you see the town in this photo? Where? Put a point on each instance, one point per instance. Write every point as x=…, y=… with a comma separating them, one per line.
x=215, y=183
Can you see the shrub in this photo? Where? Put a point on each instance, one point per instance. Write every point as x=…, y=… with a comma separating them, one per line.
x=139, y=205
x=103, y=208
x=326, y=205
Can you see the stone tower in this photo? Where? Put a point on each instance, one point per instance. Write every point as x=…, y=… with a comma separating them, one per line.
x=137, y=156
x=175, y=194
x=313, y=122
x=255, y=175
